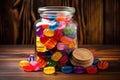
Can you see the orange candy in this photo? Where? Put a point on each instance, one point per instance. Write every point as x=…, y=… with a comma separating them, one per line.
x=60, y=17
x=46, y=26
x=51, y=43
x=66, y=40
x=41, y=61
x=103, y=65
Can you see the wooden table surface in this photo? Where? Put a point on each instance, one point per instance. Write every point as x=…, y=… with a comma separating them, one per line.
x=12, y=54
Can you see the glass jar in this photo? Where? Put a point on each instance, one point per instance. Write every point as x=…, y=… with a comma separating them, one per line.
x=55, y=35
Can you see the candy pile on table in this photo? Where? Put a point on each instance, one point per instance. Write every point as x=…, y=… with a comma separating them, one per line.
x=51, y=66
x=56, y=49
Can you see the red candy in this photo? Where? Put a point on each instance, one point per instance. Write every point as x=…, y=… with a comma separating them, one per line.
x=59, y=64
x=64, y=59
x=58, y=35
x=103, y=65
x=44, y=39
x=91, y=70
x=42, y=55
x=28, y=68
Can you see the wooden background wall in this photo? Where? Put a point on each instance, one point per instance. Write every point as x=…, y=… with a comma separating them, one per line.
x=98, y=20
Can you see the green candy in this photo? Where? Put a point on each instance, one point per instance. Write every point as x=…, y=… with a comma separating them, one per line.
x=69, y=29
x=51, y=63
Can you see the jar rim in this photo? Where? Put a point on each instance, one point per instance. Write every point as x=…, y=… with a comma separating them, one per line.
x=67, y=9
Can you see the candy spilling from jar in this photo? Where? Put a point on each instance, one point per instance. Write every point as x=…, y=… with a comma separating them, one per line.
x=50, y=63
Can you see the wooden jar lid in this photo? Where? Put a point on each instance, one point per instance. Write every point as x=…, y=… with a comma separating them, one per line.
x=82, y=57
x=82, y=54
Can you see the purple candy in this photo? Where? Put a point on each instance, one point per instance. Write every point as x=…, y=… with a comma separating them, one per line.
x=78, y=69
x=31, y=58
x=40, y=32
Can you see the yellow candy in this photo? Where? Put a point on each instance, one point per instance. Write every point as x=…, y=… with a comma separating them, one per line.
x=48, y=32
x=23, y=63
x=56, y=56
x=40, y=47
x=37, y=38
x=72, y=45
x=49, y=70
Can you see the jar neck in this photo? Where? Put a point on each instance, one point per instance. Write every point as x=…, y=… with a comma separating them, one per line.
x=63, y=14
x=64, y=11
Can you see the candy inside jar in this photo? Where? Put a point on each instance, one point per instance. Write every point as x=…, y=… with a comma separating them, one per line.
x=56, y=34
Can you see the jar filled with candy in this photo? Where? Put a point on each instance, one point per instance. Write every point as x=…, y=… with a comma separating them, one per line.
x=56, y=33
x=56, y=45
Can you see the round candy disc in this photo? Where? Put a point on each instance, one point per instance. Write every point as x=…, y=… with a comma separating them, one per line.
x=69, y=30
x=28, y=67
x=67, y=69
x=48, y=32
x=95, y=62
x=49, y=70
x=41, y=61
x=51, y=63
x=103, y=65
x=66, y=40
x=36, y=65
x=23, y=63
x=78, y=70
x=91, y=70
x=40, y=32
x=56, y=56
x=51, y=43
x=58, y=34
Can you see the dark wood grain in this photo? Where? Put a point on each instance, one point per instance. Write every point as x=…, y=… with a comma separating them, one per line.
x=11, y=55
x=112, y=19
x=98, y=20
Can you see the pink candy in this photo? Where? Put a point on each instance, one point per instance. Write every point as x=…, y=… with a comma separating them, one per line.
x=62, y=25
x=61, y=46
x=36, y=65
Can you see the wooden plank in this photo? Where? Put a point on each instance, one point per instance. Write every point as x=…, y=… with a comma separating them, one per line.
x=110, y=52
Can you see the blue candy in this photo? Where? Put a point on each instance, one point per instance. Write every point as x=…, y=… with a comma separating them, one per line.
x=53, y=26
x=52, y=18
x=68, y=51
x=95, y=62
x=67, y=69
x=48, y=54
